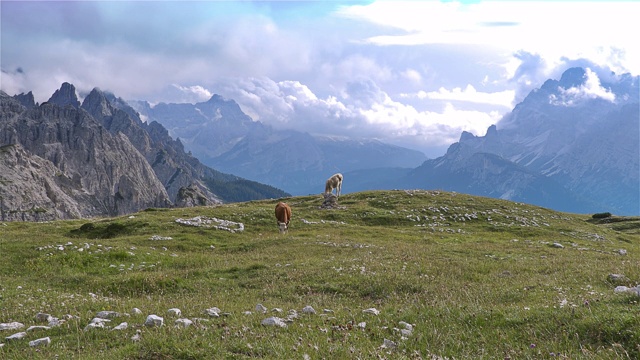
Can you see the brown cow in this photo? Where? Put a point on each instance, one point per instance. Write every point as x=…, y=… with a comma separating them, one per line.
x=283, y=215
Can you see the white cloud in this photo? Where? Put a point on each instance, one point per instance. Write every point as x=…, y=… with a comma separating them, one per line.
x=468, y=94
x=363, y=110
x=197, y=92
x=599, y=30
x=590, y=89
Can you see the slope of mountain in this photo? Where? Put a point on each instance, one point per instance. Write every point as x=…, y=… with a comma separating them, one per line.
x=58, y=162
x=97, y=159
x=223, y=137
x=581, y=136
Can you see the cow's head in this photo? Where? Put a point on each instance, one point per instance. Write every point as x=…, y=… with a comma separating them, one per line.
x=284, y=227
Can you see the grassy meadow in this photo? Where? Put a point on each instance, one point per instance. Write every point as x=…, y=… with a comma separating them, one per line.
x=476, y=278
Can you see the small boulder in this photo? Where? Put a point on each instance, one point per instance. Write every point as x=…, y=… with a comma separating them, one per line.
x=40, y=342
x=154, y=320
x=274, y=321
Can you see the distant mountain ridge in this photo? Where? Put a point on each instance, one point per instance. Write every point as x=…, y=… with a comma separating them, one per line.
x=99, y=159
x=582, y=140
x=225, y=138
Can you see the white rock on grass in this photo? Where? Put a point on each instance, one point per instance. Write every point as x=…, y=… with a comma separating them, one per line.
x=96, y=325
x=40, y=342
x=136, y=337
x=16, y=336
x=373, y=311
x=389, y=344
x=261, y=308
x=213, y=312
x=55, y=322
x=308, y=310
x=183, y=323
x=623, y=289
x=122, y=326
x=174, y=312
x=37, y=327
x=406, y=325
x=107, y=314
x=97, y=320
x=136, y=311
x=274, y=321
x=11, y=326
x=154, y=320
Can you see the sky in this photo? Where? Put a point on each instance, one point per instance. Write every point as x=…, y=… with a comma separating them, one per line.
x=414, y=74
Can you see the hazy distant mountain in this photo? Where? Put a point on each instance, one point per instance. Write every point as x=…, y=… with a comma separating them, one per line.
x=64, y=159
x=219, y=134
x=571, y=145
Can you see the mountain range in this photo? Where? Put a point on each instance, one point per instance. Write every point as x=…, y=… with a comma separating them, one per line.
x=222, y=136
x=571, y=145
x=66, y=159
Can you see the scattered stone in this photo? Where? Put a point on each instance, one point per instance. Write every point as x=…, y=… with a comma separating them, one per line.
x=174, y=312
x=108, y=314
x=557, y=245
x=136, y=311
x=213, y=312
x=623, y=289
x=16, y=336
x=276, y=310
x=293, y=314
x=158, y=237
x=308, y=310
x=136, y=337
x=122, y=326
x=53, y=322
x=183, y=322
x=40, y=342
x=94, y=325
x=330, y=201
x=37, y=327
x=389, y=344
x=154, y=320
x=373, y=311
x=261, y=308
x=11, y=326
x=362, y=325
x=206, y=222
x=622, y=252
x=42, y=317
x=406, y=325
x=274, y=321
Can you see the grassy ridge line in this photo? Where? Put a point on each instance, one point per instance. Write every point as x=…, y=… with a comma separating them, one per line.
x=477, y=277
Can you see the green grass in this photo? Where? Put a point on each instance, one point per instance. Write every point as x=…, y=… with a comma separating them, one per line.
x=478, y=278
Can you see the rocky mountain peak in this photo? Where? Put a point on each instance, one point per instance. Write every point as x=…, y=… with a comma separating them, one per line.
x=27, y=100
x=573, y=77
x=64, y=96
x=96, y=103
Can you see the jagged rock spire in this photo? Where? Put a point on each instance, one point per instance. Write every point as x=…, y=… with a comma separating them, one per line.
x=66, y=95
x=96, y=104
